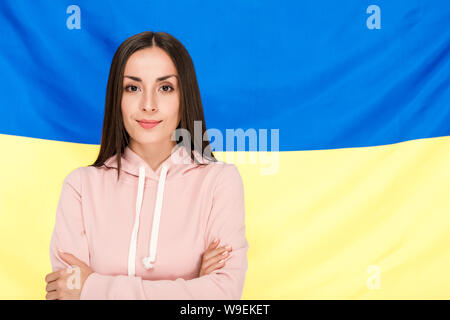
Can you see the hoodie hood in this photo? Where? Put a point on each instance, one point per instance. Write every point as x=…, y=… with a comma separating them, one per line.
x=176, y=165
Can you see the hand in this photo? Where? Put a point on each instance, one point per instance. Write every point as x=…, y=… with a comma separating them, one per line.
x=66, y=284
x=214, y=258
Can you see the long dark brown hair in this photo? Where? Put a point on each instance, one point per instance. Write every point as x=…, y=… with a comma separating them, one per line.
x=114, y=136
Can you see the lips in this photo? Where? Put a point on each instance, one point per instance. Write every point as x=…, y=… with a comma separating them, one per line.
x=148, y=124
x=149, y=121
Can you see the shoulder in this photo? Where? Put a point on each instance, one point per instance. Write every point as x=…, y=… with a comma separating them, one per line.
x=220, y=169
x=77, y=176
x=73, y=178
x=230, y=172
x=226, y=175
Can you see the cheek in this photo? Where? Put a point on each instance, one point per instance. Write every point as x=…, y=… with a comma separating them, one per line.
x=126, y=116
x=126, y=104
x=128, y=107
x=173, y=111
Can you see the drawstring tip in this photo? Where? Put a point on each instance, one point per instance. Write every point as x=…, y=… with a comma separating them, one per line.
x=147, y=264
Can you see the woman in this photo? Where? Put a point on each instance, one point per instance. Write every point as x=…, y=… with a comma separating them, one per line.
x=140, y=222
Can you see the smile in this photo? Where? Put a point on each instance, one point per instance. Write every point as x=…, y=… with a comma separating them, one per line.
x=148, y=124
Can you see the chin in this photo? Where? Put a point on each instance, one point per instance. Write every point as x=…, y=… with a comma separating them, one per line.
x=149, y=139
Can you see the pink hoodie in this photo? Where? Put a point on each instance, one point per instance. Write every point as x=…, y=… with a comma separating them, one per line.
x=144, y=235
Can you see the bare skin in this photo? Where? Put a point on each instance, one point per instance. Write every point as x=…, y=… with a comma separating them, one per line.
x=151, y=92
x=213, y=258
x=57, y=282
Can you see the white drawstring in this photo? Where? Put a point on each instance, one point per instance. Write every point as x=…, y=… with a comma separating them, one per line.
x=148, y=261
x=132, y=251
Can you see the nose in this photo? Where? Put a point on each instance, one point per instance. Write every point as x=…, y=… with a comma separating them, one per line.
x=147, y=108
x=149, y=102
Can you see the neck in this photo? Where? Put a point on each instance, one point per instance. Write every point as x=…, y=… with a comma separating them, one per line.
x=153, y=153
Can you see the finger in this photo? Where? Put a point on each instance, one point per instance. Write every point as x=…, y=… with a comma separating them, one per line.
x=70, y=258
x=213, y=244
x=215, y=259
x=51, y=286
x=53, y=295
x=215, y=266
x=52, y=276
x=212, y=253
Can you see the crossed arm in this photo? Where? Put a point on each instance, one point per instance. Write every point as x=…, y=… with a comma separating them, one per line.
x=226, y=222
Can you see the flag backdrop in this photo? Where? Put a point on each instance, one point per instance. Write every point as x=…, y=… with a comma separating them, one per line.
x=358, y=207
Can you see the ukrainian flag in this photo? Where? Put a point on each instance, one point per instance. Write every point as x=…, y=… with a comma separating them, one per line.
x=358, y=204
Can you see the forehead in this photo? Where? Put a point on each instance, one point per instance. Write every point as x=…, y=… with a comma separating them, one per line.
x=149, y=64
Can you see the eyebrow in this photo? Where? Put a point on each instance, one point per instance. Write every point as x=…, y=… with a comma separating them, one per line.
x=157, y=79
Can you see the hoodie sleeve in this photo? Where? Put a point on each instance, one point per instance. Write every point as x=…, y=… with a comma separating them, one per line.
x=69, y=233
x=226, y=221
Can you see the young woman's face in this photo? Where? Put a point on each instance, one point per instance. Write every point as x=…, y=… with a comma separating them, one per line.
x=153, y=94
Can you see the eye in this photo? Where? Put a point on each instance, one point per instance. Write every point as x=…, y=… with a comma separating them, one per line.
x=166, y=88
x=130, y=86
